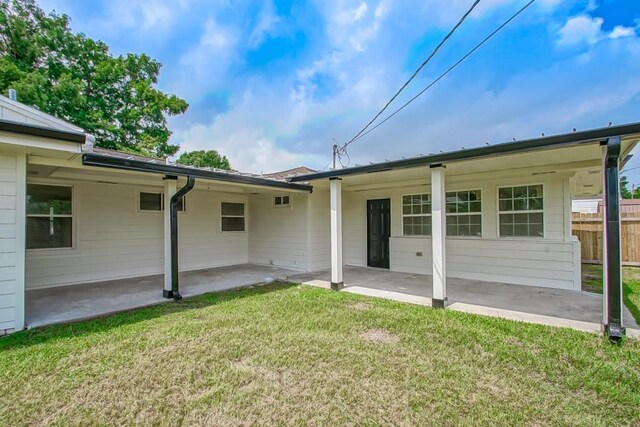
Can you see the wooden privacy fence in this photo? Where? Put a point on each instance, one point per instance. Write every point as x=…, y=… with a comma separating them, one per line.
x=588, y=228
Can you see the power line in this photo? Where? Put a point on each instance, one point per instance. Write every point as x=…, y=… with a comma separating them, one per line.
x=415, y=73
x=460, y=61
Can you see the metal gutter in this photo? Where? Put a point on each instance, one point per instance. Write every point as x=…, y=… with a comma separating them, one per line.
x=555, y=141
x=175, y=199
x=92, y=159
x=41, y=131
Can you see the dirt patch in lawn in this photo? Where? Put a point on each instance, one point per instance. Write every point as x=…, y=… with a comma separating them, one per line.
x=380, y=336
x=360, y=306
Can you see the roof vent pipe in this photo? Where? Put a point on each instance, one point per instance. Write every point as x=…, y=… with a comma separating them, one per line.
x=175, y=199
x=89, y=142
x=13, y=95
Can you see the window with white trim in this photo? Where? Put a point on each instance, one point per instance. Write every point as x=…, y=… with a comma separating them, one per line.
x=232, y=216
x=154, y=202
x=49, y=216
x=521, y=211
x=416, y=215
x=281, y=201
x=464, y=213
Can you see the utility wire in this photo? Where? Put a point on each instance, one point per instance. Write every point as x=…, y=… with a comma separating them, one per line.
x=460, y=61
x=415, y=73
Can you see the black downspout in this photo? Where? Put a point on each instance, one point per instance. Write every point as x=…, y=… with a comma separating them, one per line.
x=175, y=199
x=614, y=328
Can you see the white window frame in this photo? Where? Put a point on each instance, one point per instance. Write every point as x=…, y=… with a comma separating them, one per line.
x=402, y=196
x=72, y=216
x=246, y=222
x=161, y=193
x=480, y=214
x=542, y=211
x=281, y=197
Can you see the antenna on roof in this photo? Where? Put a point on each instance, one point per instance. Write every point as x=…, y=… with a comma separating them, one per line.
x=487, y=144
x=13, y=95
x=542, y=134
x=610, y=123
x=514, y=139
x=462, y=147
x=574, y=129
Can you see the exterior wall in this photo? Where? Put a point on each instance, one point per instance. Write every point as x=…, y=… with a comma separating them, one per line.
x=278, y=235
x=552, y=261
x=113, y=239
x=319, y=230
x=12, y=233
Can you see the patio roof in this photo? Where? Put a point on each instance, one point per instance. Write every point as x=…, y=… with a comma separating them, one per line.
x=548, y=142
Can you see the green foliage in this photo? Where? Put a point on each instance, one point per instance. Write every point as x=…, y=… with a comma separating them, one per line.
x=205, y=159
x=77, y=79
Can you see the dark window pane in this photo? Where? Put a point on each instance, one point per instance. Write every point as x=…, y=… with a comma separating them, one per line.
x=278, y=200
x=506, y=193
x=285, y=200
x=506, y=219
x=406, y=200
x=426, y=198
x=506, y=230
x=463, y=207
x=150, y=201
x=49, y=199
x=233, y=209
x=417, y=198
x=519, y=192
x=475, y=230
x=521, y=230
x=407, y=229
x=536, y=230
x=535, y=204
x=475, y=206
x=475, y=219
x=406, y=209
x=232, y=223
x=181, y=206
x=506, y=205
x=475, y=195
x=535, y=191
x=416, y=209
x=536, y=218
x=451, y=207
x=520, y=205
x=451, y=229
x=44, y=232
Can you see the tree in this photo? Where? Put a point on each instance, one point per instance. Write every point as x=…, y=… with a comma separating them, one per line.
x=76, y=78
x=625, y=193
x=204, y=159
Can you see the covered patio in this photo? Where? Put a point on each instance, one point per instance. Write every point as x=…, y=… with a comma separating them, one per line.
x=555, y=307
x=83, y=301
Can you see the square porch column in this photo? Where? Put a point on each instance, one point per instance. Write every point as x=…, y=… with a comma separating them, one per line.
x=438, y=235
x=170, y=188
x=612, y=256
x=335, y=196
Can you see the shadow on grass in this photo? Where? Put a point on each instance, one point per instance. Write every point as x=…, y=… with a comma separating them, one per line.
x=107, y=322
x=630, y=292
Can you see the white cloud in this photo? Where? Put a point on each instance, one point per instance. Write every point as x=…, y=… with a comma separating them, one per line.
x=585, y=29
x=267, y=24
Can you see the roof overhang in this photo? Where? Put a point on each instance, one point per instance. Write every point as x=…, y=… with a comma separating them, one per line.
x=573, y=139
x=92, y=159
x=41, y=131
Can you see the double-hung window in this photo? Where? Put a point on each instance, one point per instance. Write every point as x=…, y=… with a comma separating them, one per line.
x=416, y=215
x=464, y=213
x=49, y=216
x=521, y=211
x=232, y=218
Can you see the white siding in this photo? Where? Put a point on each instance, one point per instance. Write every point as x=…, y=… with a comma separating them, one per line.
x=319, y=231
x=278, y=235
x=112, y=239
x=12, y=183
x=551, y=262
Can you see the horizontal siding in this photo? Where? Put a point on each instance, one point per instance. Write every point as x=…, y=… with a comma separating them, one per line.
x=320, y=230
x=278, y=235
x=8, y=232
x=549, y=262
x=114, y=240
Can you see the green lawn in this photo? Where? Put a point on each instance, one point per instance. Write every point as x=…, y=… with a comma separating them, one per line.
x=285, y=354
x=592, y=282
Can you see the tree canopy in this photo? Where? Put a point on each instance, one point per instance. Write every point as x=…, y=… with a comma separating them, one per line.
x=76, y=78
x=204, y=159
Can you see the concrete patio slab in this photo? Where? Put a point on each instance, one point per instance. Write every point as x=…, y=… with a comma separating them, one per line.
x=83, y=301
x=578, y=310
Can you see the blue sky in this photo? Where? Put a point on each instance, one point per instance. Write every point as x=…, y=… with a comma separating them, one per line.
x=272, y=84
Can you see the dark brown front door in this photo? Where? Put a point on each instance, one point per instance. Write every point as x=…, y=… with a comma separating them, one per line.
x=378, y=232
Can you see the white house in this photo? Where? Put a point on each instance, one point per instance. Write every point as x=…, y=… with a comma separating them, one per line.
x=74, y=214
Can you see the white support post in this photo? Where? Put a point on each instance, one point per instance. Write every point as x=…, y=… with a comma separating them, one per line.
x=438, y=235
x=170, y=188
x=335, y=189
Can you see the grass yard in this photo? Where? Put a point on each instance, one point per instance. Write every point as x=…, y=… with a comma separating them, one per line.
x=286, y=354
x=592, y=282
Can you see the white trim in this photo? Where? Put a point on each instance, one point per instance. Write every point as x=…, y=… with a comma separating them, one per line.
x=542, y=211
x=73, y=216
x=163, y=202
x=282, y=205
x=245, y=216
x=21, y=241
x=402, y=214
x=481, y=213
